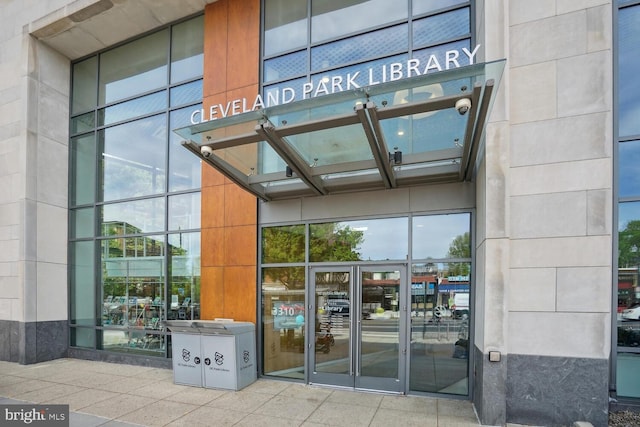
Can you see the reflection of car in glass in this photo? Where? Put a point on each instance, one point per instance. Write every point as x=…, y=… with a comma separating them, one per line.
x=338, y=307
x=632, y=313
x=460, y=314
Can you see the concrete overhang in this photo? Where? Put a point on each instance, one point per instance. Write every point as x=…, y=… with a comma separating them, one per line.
x=86, y=26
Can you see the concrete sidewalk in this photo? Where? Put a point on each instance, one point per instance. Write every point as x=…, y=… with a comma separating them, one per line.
x=107, y=394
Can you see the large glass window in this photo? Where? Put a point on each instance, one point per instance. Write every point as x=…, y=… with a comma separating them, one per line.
x=628, y=65
x=440, y=304
x=627, y=317
x=355, y=38
x=134, y=228
x=331, y=19
x=283, y=297
x=439, y=292
x=285, y=25
x=134, y=68
x=366, y=240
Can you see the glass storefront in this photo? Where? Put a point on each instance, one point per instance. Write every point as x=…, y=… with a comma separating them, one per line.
x=135, y=192
x=369, y=294
x=627, y=354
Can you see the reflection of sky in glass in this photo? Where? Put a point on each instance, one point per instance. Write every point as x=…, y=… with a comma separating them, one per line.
x=628, y=212
x=628, y=65
x=383, y=238
x=184, y=211
x=133, y=68
x=433, y=234
x=285, y=37
x=184, y=167
x=144, y=215
x=187, y=68
x=424, y=6
x=629, y=155
x=365, y=46
x=345, y=20
x=134, y=158
x=286, y=66
x=441, y=27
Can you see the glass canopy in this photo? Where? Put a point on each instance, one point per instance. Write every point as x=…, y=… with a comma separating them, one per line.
x=423, y=129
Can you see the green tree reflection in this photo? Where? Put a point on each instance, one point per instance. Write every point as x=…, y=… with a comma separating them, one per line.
x=629, y=245
x=327, y=242
x=460, y=247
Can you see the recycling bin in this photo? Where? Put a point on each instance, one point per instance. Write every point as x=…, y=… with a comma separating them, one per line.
x=228, y=354
x=186, y=352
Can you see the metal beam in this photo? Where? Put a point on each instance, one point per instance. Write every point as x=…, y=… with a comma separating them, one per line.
x=468, y=133
x=380, y=156
x=284, y=150
x=373, y=113
x=227, y=170
x=479, y=128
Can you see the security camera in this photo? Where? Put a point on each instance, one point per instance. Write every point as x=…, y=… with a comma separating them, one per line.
x=463, y=105
x=206, y=151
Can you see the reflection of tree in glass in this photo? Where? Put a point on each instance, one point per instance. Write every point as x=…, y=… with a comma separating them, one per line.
x=333, y=242
x=283, y=244
x=629, y=245
x=290, y=277
x=328, y=242
x=460, y=247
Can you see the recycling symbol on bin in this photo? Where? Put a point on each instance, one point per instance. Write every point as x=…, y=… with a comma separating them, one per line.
x=245, y=356
x=219, y=358
x=186, y=355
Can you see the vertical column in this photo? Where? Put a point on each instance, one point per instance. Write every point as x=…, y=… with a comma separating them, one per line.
x=229, y=214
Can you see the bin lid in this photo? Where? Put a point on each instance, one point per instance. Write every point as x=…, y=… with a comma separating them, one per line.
x=209, y=327
x=181, y=326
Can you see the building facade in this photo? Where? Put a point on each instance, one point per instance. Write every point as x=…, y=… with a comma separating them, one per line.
x=412, y=197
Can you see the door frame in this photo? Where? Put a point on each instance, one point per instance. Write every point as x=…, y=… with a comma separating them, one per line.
x=353, y=379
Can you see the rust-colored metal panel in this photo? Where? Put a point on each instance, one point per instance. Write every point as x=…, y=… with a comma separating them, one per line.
x=240, y=244
x=240, y=207
x=211, y=305
x=212, y=206
x=213, y=248
x=211, y=177
x=215, y=48
x=229, y=214
x=240, y=293
x=244, y=47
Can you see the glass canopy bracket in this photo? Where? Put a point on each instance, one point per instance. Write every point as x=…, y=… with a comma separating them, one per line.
x=481, y=118
x=369, y=120
x=468, y=132
x=227, y=170
x=284, y=150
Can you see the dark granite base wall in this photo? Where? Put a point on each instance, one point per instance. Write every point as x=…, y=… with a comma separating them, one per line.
x=489, y=396
x=129, y=359
x=9, y=340
x=557, y=391
x=33, y=342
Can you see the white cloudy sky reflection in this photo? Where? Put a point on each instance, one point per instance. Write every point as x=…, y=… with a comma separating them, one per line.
x=388, y=238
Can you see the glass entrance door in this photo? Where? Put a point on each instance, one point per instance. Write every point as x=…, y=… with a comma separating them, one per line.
x=358, y=324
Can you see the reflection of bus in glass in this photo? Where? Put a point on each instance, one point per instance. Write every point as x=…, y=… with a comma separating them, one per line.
x=460, y=307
